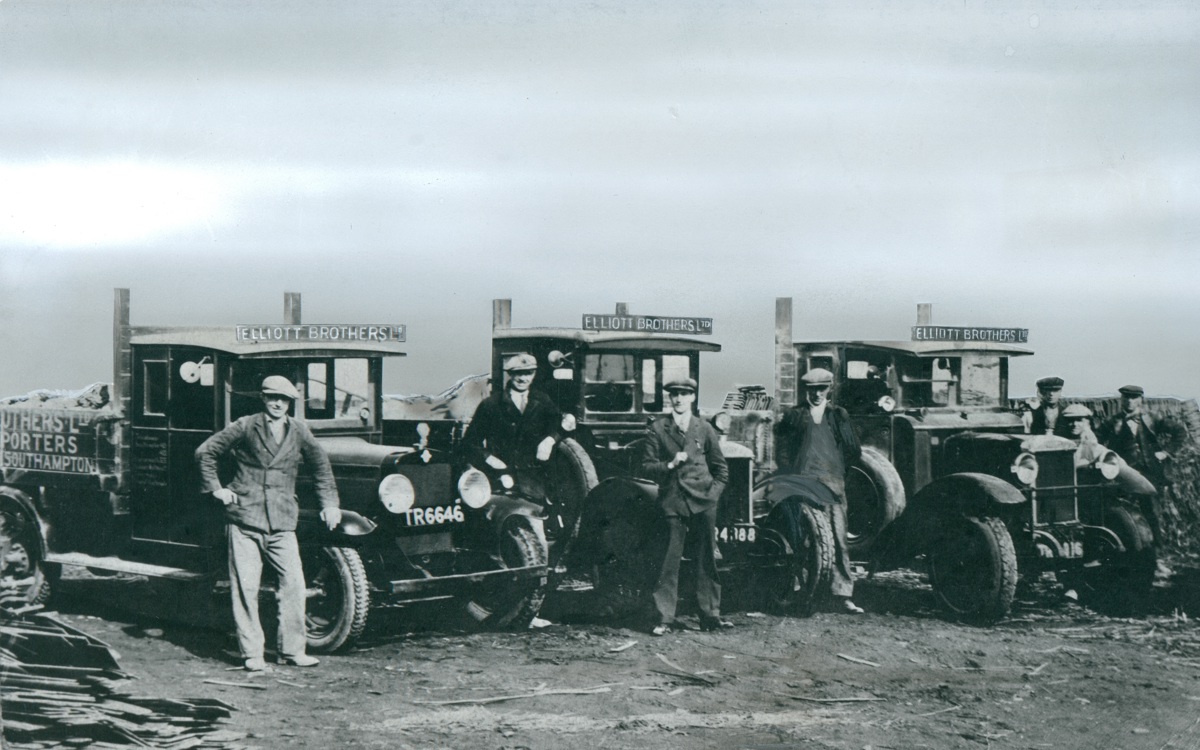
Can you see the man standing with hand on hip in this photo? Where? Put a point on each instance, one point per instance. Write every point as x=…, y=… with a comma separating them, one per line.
x=683, y=454
x=261, y=514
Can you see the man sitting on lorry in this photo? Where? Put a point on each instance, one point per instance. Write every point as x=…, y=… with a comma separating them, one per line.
x=515, y=428
x=261, y=514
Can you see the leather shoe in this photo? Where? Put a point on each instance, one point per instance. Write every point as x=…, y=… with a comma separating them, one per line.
x=300, y=660
x=255, y=664
x=849, y=607
x=715, y=623
x=660, y=630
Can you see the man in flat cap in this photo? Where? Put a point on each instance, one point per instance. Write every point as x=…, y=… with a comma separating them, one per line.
x=261, y=513
x=815, y=439
x=516, y=427
x=683, y=454
x=1145, y=443
x=1043, y=418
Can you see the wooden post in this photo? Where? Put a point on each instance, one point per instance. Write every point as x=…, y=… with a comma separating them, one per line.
x=122, y=353
x=501, y=314
x=622, y=308
x=291, y=308
x=785, y=354
x=924, y=313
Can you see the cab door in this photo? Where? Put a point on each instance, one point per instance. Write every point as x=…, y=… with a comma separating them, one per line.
x=174, y=407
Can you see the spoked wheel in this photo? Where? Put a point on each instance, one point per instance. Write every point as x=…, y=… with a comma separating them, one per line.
x=973, y=569
x=24, y=577
x=799, y=547
x=514, y=603
x=338, y=597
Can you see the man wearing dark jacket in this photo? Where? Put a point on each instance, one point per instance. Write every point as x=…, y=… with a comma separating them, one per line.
x=816, y=440
x=683, y=454
x=1045, y=414
x=261, y=513
x=516, y=427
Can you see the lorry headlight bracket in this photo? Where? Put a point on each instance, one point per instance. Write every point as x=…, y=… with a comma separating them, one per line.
x=397, y=494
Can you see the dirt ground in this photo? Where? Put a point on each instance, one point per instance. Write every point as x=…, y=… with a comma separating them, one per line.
x=1052, y=675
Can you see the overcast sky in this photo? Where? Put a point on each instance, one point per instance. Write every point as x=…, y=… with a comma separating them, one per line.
x=407, y=162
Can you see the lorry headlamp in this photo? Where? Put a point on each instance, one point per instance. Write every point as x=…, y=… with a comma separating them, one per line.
x=721, y=421
x=1109, y=465
x=396, y=493
x=474, y=488
x=1026, y=468
x=569, y=422
x=887, y=403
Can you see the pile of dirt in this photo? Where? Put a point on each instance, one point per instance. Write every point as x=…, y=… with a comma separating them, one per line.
x=95, y=396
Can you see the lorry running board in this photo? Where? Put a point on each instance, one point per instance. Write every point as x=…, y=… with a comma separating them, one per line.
x=117, y=565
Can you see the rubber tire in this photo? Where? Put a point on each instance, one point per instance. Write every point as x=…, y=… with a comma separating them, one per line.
x=573, y=477
x=511, y=605
x=874, y=496
x=24, y=558
x=339, y=597
x=973, y=570
x=1122, y=583
x=808, y=567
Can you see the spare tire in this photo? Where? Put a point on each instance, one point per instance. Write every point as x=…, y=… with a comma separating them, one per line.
x=875, y=497
x=570, y=477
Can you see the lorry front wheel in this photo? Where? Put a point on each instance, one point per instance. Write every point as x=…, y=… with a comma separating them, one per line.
x=1122, y=581
x=874, y=498
x=572, y=476
x=799, y=546
x=338, y=597
x=512, y=604
x=973, y=569
x=24, y=577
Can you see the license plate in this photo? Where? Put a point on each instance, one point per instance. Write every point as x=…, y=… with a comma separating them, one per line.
x=434, y=516
x=736, y=534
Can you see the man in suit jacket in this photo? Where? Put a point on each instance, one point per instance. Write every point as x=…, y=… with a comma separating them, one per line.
x=261, y=514
x=816, y=440
x=1143, y=441
x=1045, y=414
x=683, y=454
x=515, y=428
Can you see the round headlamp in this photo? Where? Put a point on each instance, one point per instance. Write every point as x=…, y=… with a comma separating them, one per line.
x=396, y=493
x=474, y=488
x=1026, y=468
x=1109, y=464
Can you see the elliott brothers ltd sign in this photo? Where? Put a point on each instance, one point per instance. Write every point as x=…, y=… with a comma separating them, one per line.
x=647, y=324
x=946, y=333
x=323, y=333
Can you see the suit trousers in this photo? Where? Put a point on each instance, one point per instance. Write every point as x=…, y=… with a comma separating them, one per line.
x=247, y=550
x=842, y=575
x=696, y=533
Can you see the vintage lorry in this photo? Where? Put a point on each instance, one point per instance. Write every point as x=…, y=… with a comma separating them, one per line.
x=950, y=477
x=609, y=385
x=109, y=481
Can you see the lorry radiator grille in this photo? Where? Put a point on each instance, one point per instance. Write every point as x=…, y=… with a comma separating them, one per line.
x=432, y=484
x=1056, y=487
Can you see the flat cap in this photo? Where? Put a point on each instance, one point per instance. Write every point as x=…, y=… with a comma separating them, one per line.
x=278, y=385
x=1132, y=391
x=520, y=363
x=1076, y=411
x=681, y=384
x=1053, y=383
x=817, y=377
